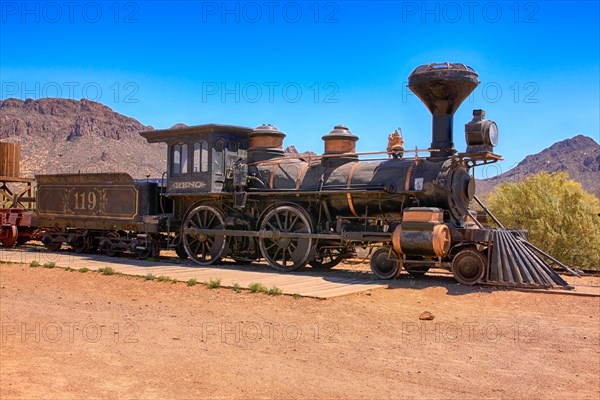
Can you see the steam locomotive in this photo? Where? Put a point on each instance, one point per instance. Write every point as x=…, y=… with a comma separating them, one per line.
x=231, y=191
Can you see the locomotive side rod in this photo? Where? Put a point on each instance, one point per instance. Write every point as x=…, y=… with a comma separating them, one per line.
x=264, y=234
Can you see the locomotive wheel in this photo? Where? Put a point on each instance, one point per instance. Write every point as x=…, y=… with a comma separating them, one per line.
x=328, y=258
x=53, y=246
x=204, y=248
x=385, y=263
x=180, y=251
x=106, y=248
x=286, y=253
x=81, y=244
x=469, y=266
x=47, y=238
x=13, y=236
x=143, y=254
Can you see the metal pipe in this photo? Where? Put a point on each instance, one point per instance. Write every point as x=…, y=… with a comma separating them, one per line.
x=488, y=212
x=540, y=251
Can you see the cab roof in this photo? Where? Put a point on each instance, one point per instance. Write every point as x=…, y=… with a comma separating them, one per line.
x=167, y=135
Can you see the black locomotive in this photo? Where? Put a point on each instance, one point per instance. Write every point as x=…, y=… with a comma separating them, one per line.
x=240, y=196
x=230, y=191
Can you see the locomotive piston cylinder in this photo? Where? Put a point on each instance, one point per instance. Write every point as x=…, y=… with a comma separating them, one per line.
x=422, y=232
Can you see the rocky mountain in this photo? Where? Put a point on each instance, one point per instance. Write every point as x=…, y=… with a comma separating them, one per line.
x=579, y=156
x=63, y=135
x=293, y=151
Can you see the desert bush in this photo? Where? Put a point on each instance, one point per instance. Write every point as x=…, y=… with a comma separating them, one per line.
x=561, y=217
x=106, y=271
x=213, y=284
x=257, y=287
x=192, y=282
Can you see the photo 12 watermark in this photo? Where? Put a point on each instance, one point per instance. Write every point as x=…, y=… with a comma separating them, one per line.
x=52, y=12
x=257, y=331
x=68, y=332
x=117, y=92
x=37, y=257
x=470, y=331
x=495, y=92
x=271, y=92
x=471, y=12
x=254, y=12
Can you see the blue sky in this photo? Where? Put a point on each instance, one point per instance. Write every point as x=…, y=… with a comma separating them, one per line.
x=305, y=66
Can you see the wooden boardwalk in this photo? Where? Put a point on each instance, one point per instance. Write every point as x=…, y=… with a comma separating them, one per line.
x=301, y=283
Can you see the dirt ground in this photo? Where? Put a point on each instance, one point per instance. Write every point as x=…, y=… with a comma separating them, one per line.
x=84, y=335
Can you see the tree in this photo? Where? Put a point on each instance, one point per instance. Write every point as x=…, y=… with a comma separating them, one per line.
x=561, y=217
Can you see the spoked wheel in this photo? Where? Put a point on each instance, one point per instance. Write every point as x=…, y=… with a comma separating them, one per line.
x=12, y=235
x=469, y=266
x=203, y=247
x=328, y=257
x=385, y=263
x=286, y=252
x=180, y=251
x=106, y=246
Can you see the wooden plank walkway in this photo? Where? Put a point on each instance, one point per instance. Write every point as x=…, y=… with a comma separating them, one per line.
x=298, y=283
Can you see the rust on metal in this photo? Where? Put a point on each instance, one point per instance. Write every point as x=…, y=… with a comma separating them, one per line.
x=10, y=159
x=339, y=141
x=349, y=186
x=422, y=214
x=441, y=240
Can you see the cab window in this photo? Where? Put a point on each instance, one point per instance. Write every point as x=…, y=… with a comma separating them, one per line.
x=219, y=161
x=180, y=159
x=200, y=157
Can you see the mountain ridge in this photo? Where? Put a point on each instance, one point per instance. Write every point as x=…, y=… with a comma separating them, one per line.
x=579, y=156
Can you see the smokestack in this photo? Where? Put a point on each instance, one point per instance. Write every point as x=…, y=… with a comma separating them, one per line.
x=442, y=87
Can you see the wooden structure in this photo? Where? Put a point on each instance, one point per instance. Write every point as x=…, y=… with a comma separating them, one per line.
x=16, y=192
x=10, y=157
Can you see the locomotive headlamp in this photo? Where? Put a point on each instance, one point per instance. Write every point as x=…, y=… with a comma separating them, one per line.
x=481, y=134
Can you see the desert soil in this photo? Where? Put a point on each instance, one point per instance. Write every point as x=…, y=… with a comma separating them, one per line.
x=84, y=335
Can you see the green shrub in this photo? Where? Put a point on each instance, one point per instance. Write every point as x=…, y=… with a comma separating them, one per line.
x=274, y=291
x=34, y=264
x=106, y=271
x=256, y=287
x=49, y=265
x=192, y=282
x=237, y=288
x=213, y=284
x=561, y=217
x=163, y=278
x=84, y=269
x=149, y=276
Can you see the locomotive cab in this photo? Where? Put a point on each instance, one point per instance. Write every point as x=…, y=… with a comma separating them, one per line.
x=199, y=156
